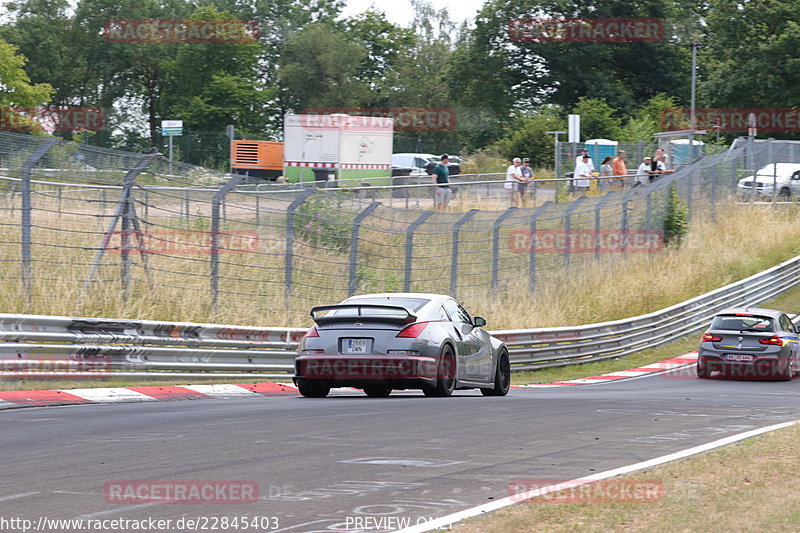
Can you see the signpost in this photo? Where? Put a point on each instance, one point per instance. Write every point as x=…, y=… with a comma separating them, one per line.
x=557, y=159
x=170, y=128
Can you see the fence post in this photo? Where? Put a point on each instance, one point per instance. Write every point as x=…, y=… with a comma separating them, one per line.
x=625, y=222
x=289, y=255
x=25, y=221
x=351, y=286
x=454, y=255
x=410, y=245
x=121, y=211
x=186, y=205
x=496, y=244
x=216, y=201
x=567, y=226
x=598, y=223
x=714, y=179
x=532, y=246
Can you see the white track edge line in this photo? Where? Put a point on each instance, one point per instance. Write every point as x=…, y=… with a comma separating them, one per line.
x=449, y=520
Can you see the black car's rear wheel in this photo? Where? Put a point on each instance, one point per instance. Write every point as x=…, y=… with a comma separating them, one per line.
x=377, y=391
x=703, y=372
x=312, y=389
x=445, y=376
x=502, y=377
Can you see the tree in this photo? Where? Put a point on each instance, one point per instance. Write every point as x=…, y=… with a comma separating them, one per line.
x=527, y=138
x=598, y=120
x=749, y=58
x=321, y=68
x=16, y=89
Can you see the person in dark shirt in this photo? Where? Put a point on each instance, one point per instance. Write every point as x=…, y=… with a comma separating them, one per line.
x=441, y=179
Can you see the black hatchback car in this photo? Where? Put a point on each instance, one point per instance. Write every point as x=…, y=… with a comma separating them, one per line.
x=750, y=343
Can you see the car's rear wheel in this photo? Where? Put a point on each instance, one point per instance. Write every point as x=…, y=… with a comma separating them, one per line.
x=703, y=372
x=377, y=391
x=502, y=377
x=788, y=372
x=312, y=389
x=445, y=376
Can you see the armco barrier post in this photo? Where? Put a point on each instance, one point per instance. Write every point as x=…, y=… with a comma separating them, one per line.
x=351, y=286
x=532, y=244
x=454, y=255
x=496, y=244
x=25, y=222
x=289, y=254
x=410, y=247
x=216, y=201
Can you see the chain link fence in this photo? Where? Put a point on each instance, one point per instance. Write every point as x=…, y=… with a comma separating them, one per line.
x=141, y=235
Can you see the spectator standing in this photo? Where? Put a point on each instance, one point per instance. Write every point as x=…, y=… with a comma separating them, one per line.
x=527, y=177
x=644, y=171
x=579, y=159
x=581, y=176
x=441, y=179
x=513, y=179
x=606, y=171
x=656, y=158
x=619, y=168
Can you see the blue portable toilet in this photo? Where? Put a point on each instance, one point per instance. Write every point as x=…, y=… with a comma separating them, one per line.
x=599, y=149
x=680, y=151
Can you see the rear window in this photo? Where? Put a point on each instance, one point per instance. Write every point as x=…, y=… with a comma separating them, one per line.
x=743, y=323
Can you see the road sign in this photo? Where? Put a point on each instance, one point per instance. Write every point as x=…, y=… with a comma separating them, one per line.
x=171, y=127
x=574, y=123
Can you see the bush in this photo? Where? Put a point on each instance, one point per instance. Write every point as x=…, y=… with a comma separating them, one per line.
x=676, y=223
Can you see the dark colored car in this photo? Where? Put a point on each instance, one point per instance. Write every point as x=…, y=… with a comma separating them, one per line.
x=750, y=342
x=381, y=342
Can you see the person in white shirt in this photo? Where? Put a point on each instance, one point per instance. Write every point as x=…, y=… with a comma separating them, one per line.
x=644, y=172
x=513, y=178
x=579, y=159
x=582, y=175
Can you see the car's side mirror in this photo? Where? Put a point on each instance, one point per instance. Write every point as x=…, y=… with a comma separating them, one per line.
x=478, y=321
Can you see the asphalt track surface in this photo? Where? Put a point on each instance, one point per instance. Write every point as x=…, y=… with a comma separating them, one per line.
x=322, y=463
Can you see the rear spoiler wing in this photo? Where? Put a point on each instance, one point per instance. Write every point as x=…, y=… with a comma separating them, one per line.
x=362, y=311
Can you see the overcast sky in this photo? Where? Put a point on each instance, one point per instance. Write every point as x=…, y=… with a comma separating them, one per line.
x=399, y=11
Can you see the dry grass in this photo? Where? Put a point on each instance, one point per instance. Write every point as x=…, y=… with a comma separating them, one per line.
x=744, y=240
x=746, y=487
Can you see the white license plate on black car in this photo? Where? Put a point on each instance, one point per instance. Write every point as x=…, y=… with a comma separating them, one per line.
x=738, y=357
x=354, y=346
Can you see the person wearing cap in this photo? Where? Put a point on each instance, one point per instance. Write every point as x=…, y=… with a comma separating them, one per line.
x=513, y=179
x=441, y=179
x=582, y=175
x=644, y=172
x=619, y=168
x=527, y=177
x=579, y=159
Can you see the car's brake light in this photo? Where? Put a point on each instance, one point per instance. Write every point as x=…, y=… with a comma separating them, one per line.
x=710, y=337
x=413, y=331
x=312, y=332
x=742, y=314
x=777, y=341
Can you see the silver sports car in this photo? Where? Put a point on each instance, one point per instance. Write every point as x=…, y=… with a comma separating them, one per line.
x=380, y=342
x=750, y=343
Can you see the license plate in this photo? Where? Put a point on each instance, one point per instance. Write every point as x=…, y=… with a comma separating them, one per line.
x=352, y=346
x=738, y=357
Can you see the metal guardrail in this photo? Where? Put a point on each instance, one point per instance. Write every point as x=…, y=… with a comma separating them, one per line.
x=53, y=346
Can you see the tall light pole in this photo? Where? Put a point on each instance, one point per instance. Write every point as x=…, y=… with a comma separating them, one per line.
x=693, y=100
